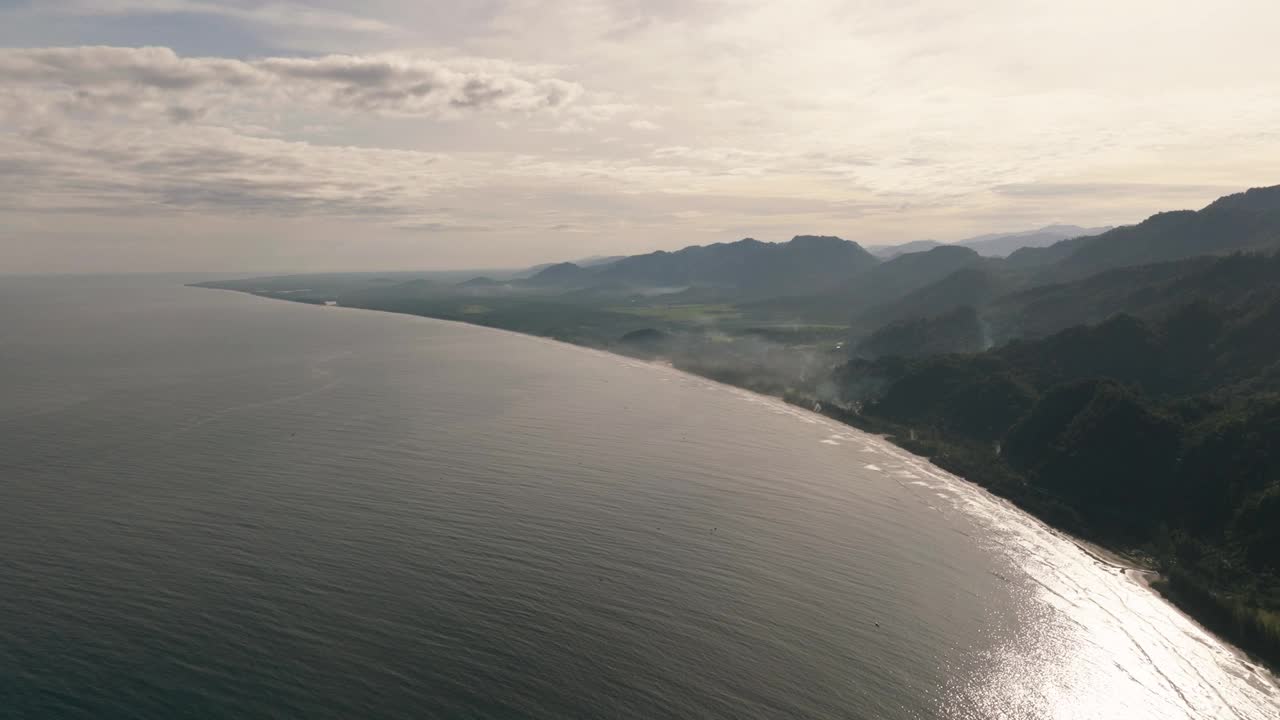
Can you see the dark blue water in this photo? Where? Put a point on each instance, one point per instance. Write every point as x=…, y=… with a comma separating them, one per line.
x=215, y=505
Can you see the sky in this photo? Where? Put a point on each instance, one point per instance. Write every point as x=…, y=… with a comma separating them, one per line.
x=238, y=135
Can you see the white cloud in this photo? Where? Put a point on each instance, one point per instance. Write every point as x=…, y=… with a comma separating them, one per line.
x=639, y=123
x=203, y=168
x=276, y=14
x=122, y=78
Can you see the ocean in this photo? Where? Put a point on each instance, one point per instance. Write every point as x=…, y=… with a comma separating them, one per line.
x=217, y=505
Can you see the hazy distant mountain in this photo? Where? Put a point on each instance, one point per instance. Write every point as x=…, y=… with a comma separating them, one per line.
x=974, y=286
x=903, y=274
x=1249, y=220
x=884, y=283
x=1146, y=270
x=481, y=281
x=565, y=273
x=586, y=262
x=806, y=263
x=1146, y=291
x=959, y=330
x=534, y=270
x=888, y=252
x=993, y=244
x=1002, y=244
x=598, y=260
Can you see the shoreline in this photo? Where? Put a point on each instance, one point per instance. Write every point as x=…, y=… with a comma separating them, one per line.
x=1133, y=569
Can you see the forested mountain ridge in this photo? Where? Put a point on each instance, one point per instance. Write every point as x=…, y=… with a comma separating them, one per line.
x=1161, y=435
x=1244, y=221
x=1016, y=302
x=996, y=245
x=805, y=262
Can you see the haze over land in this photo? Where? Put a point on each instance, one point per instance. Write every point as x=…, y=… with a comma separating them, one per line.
x=247, y=136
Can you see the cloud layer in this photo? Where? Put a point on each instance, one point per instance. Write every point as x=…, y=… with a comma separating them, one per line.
x=514, y=131
x=114, y=77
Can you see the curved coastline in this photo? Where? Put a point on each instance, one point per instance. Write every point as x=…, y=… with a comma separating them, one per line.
x=1133, y=569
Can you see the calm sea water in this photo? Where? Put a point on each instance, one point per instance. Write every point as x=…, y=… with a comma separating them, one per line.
x=215, y=505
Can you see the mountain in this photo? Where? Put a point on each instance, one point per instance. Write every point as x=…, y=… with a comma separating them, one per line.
x=1144, y=270
x=974, y=286
x=598, y=260
x=903, y=274
x=1002, y=244
x=592, y=261
x=888, y=252
x=1146, y=291
x=480, y=281
x=957, y=331
x=1150, y=434
x=993, y=244
x=565, y=273
x=878, y=285
x=748, y=266
x=533, y=270
x=1249, y=220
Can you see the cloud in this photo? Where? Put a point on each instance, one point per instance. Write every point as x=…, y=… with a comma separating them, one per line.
x=198, y=168
x=180, y=114
x=1075, y=191
x=290, y=15
x=891, y=120
x=441, y=227
x=115, y=78
x=408, y=86
x=100, y=67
